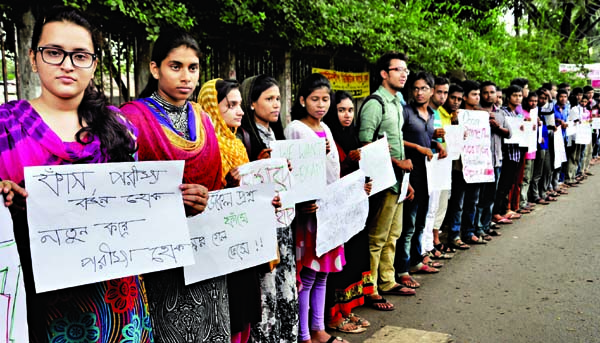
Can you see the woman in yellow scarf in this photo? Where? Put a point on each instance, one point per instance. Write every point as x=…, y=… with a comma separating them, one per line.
x=222, y=100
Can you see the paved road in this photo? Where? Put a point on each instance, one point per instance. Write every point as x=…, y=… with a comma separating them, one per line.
x=539, y=282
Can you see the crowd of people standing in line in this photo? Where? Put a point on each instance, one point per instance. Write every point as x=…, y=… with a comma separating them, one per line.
x=301, y=295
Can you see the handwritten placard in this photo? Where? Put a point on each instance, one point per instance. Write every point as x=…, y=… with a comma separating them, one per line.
x=595, y=123
x=560, y=155
x=342, y=212
x=454, y=137
x=13, y=307
x=439, y=173
x=376, y=162
x=476, y=155
x=236, y=231
x=309, y=162
x=96, y=222
x=274, y=171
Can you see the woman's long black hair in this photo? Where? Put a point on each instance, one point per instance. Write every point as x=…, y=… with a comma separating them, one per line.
x=101, y=121
x=345, y=137
x=166, y=42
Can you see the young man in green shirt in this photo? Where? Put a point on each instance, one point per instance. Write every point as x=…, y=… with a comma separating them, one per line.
x=385, y=219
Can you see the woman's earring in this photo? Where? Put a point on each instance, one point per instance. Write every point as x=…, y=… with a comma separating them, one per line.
x=252, y=108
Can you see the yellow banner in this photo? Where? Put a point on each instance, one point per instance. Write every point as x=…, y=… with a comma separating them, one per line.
x=356, y=84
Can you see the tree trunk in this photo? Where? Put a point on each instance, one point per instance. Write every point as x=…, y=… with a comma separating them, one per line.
x=285, y=87
x=565, y=25
x=517, y=13
x=227, y=67
x=141, y=66
x=29, y=82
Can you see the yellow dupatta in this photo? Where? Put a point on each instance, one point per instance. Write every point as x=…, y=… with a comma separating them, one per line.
x=233, y=152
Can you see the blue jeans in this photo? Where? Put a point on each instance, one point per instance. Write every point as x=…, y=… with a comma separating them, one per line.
x=487, y=195
x=408, y=246
x=462, y=206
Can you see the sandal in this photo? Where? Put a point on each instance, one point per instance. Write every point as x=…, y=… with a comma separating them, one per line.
x=376, y=304
x=443, y=248
x=477, y=240
x=334, y=339
x=425, y=269
x=512, y=215
x=343, y=327
x=399, y=290
x=431, y=263
x=438, y=255
x=458, y=244
x=500, y=220
x=358, y=320
x=408, y=281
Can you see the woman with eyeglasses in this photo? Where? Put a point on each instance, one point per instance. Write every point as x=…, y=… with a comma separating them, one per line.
x=69, y=123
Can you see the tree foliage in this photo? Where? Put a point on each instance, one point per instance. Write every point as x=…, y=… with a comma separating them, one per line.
x=439, y=36
x=152, y=15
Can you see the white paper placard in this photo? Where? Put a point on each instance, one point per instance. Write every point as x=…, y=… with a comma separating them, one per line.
x=476, y=155
x=97, y=222
x=595, y=123
x=342, y=212
x=517, y=134
x=404, y=187
x=455, y=140
x=235, y=232
x=376, y=162
x=530, y=136
x=13, y=306
x=571, y=129
x=560, y=155
x=584, y=134
x=276, y=172
x=308, y=160
x=439, y=173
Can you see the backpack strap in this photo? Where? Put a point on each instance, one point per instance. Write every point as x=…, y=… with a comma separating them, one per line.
x=380, y=101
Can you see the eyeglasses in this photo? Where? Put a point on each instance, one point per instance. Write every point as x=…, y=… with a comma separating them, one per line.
x=400, y=70
x=56, y=56
x=419, y=90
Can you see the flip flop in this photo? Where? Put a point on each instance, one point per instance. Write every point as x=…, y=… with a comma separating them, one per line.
x=410, y=279
x=503, y=221
x=399, y=290
x=425, y=269
x=512, y=215
x=373, y=303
